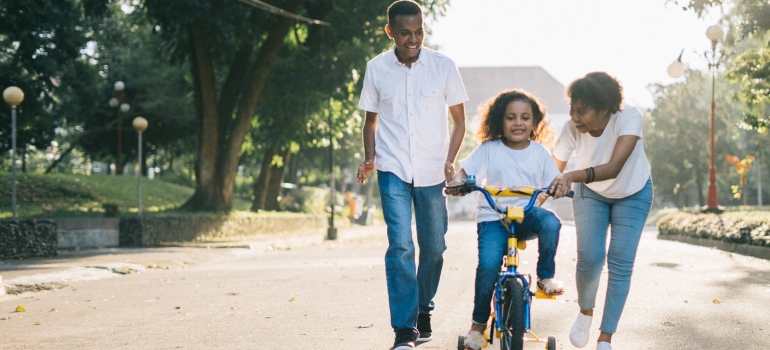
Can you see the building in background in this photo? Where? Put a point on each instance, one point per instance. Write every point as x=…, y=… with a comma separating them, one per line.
x=483, y=83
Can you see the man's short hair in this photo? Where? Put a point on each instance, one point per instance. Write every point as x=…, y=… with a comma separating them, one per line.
x=403, y=8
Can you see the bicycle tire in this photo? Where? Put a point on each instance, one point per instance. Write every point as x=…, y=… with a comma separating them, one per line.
x=551, y=343
x=513, y=315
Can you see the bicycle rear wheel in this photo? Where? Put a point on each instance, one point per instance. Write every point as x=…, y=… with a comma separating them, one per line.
x=513, y=315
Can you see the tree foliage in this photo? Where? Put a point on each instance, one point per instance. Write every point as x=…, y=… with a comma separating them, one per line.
x=749, y=43
x=40, y=40
x=239, y=55
x=677, y=140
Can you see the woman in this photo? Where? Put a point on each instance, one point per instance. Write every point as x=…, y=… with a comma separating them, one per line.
x=612, y=188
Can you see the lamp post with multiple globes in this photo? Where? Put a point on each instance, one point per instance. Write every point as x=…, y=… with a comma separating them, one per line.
x=118, y=100
x=675, y=70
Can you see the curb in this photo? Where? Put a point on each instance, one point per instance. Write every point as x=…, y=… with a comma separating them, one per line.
x=739, y=248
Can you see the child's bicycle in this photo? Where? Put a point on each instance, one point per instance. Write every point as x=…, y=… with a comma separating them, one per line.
x=512, y=297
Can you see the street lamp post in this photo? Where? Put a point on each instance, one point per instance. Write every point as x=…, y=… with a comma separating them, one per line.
x=140, y=125
x=13, y=96
x=676, y=70
x=331, y=232
x=118, y=99
x=714, y=33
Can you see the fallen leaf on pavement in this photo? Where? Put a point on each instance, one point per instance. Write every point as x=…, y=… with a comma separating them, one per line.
x=717, y=301
x=20, y=309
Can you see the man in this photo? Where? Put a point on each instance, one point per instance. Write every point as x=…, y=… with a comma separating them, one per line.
x=405, y=96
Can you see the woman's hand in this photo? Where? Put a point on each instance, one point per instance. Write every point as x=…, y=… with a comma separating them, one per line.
x=561, y=185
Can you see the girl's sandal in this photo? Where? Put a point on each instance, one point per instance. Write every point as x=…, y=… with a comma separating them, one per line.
x=550, y=286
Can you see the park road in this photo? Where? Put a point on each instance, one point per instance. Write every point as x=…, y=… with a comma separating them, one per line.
x=307, y=293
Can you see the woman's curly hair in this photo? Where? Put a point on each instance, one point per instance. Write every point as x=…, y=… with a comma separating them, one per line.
x=598, y=90
x=493, y=111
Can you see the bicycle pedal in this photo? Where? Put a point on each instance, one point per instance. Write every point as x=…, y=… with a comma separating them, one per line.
x=541, y=294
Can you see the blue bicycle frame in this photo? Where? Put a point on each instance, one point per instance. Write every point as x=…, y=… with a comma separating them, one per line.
x=511, y=271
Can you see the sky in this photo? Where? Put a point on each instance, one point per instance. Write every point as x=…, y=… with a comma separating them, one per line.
x=634, y=40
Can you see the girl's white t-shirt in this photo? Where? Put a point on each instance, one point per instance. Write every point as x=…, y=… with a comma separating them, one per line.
x=594, y=151
x=493, y=163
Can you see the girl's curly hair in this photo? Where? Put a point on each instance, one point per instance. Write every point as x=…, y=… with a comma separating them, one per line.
x=493, y=111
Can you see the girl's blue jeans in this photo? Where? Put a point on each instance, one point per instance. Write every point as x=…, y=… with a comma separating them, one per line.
x=538, y=223
x=411, y=289
x=625, y=217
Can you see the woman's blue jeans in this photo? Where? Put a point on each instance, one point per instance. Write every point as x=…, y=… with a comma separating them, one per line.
x=411, y=289
x=625, y=217
x=538, y=223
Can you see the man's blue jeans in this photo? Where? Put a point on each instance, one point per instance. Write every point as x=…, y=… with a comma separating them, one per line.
x=538, y=223
x=411, y=292
x=625, y=217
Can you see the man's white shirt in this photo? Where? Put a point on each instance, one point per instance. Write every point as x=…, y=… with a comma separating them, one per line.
x=412, y=135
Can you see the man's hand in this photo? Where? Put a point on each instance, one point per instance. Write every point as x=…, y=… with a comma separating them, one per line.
x=364, y=171
x=449, y=171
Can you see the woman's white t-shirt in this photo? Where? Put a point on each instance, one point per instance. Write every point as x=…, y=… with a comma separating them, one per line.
x=493, y=163
x=594, y=151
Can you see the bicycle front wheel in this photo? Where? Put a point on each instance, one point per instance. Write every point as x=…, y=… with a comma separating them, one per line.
x=514, y=299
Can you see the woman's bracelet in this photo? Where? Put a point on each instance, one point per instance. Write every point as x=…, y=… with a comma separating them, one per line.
x=590, y=175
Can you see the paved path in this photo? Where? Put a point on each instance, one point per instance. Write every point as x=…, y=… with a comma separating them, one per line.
x=301, y=292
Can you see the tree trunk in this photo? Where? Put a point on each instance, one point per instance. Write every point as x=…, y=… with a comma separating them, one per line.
x=274, y=182
x=220, y=137
x=23, y=158
x=700, y=187
x=260, y=186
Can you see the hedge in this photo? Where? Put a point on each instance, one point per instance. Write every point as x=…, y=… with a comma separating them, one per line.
x=744, y=229
x=153, y=231
x=21, y=239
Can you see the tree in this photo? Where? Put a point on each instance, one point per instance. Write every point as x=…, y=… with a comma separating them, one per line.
x=232, y=48
x=39, y=41
x=676, y=139
x=749, y=44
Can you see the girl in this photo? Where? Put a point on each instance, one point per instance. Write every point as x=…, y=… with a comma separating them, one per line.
x=513, y=129
x=612, y=188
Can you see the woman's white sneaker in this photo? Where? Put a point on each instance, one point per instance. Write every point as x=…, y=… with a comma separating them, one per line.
x=581, y=330
x=603, y=345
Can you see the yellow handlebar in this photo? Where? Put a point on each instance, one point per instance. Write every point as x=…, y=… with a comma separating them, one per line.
x=510, y=191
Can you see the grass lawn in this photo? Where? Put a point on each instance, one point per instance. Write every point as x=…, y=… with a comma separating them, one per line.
x=69, y=195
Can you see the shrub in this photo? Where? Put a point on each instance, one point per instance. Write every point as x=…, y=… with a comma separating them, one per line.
x=730, y=227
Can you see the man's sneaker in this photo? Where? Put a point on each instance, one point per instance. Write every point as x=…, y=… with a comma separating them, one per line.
x=581, y=330
x=423, y=328
x=404, y=339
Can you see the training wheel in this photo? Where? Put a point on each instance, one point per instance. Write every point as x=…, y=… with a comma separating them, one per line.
x=460, y=342
x=551, y=345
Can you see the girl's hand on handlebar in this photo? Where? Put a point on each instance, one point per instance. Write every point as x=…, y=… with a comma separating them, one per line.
x=560, y=186
x=453, y=188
